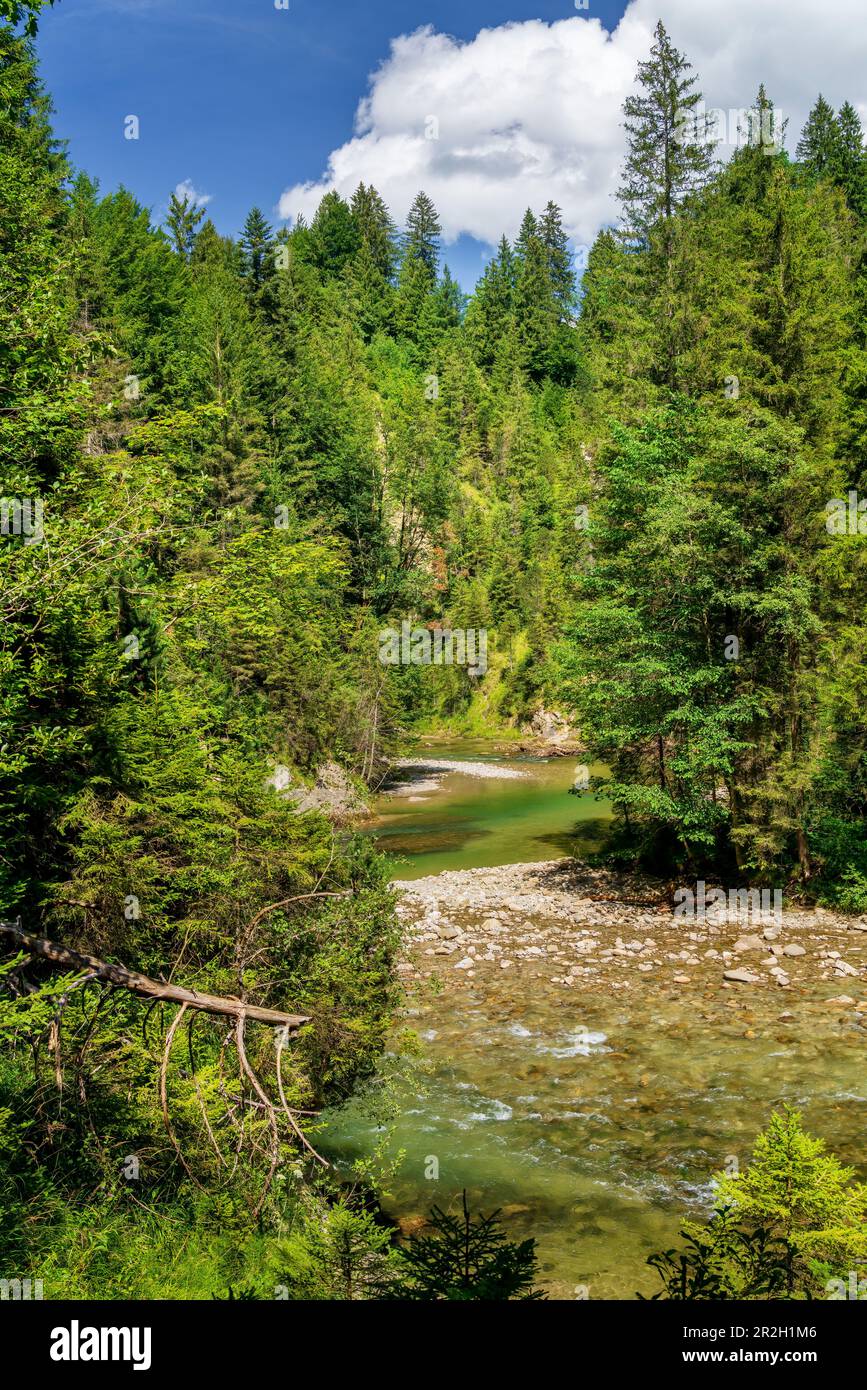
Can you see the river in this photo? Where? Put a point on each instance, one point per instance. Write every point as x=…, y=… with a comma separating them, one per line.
x=595, y=1116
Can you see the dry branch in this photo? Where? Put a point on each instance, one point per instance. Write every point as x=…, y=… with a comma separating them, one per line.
x=144, y=986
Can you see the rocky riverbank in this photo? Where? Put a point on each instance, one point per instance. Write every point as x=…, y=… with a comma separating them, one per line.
x=569, y=927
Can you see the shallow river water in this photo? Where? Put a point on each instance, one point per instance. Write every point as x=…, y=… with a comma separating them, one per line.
x=594, y=1119
x=471, y=822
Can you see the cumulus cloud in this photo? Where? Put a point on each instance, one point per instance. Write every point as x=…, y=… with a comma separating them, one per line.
x=531, y=111
x=185, y=192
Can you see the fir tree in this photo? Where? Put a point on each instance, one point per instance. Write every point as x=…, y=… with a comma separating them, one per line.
x=183, y=219
x=257, y=244
x=421, y=240
x=850, y=162
x=556, y=244
x=335, y=234
x=376, y=229
x=669, y=155
x=819, y=146
x=529, y=228
x=468, y=1258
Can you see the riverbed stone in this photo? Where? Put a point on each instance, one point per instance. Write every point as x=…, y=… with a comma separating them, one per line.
x=749, y=943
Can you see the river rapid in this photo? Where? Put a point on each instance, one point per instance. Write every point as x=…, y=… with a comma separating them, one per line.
x=588, y=1065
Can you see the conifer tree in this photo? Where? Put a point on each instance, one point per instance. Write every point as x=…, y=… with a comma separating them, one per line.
x=850, y=165
x=529, y=228
x=335, y=234
x=419, y=265
x=376, y=229
x=183, y=219
x=556, y=244
x=422, y=236
x=818, y=148
x=668, y=155
x=492, y=305
x=257, y=243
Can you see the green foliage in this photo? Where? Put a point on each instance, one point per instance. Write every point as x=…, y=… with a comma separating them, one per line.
x=182, y=220
x=668, y=155
x=713, y=655
x=722, y=1261
x=468, y=1258
x=250, y=457
x=782, y=1228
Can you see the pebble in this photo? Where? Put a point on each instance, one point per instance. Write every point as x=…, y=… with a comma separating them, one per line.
x=592, y=929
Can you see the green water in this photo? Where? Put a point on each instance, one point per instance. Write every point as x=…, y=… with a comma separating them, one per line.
x=470, y=823
x=594, y=1120
x=599, y=1143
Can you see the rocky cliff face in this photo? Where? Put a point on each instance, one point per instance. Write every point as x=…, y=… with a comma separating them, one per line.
x=333, y=793
x=548, y=726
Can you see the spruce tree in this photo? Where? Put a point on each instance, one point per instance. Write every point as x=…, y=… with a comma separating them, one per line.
x=850, y=165
x=422, y=237
x=335, y=234
x=376, y=229
x=257, y=242
x=556, y=244
x=818, y=147
x=492, y=305
x=182, y=220
x=528, y=229
x=669, y=155
x=418, y=267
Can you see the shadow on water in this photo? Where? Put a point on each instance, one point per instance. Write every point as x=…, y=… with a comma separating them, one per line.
x=452, y=819
x=400, y=843
x=585, y=837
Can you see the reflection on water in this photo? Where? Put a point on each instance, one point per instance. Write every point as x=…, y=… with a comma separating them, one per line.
x=472, y=823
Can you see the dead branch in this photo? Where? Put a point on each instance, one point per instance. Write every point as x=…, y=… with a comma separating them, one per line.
x=281, y=1042
x=272, y=1116
x=143, y=985
x=164, y=1092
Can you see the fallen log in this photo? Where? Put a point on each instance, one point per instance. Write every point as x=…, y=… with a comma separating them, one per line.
x=143, y=985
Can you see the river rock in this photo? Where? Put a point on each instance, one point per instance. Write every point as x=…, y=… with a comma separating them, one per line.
x=332, y=793
x=550, y=726
x=742, y=977
x=749, y=943
x=793, y=949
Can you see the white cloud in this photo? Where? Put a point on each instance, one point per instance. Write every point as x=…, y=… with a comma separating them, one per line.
x=531, y=111
x=185, y=191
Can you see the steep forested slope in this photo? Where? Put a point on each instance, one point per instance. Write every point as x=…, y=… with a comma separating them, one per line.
x=228, y=466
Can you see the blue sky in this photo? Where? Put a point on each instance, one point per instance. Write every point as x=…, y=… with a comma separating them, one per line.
x=258, y=105
x=238, y=97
